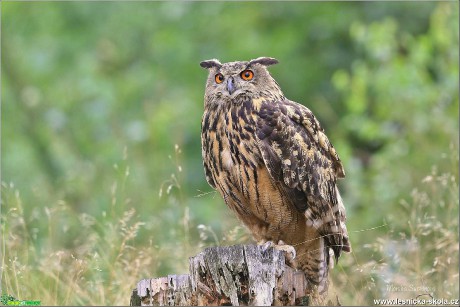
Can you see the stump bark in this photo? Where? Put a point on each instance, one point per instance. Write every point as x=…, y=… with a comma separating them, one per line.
x=230, y=275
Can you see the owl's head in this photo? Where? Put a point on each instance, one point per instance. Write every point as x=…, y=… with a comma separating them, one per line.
x=241, y=80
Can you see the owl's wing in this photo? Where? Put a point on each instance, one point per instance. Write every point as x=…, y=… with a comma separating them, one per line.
x=300, y=158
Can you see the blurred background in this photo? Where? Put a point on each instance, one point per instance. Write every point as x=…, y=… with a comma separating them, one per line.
x=102, y=179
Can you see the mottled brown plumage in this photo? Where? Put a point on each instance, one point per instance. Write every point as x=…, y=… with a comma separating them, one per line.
x=272, y=163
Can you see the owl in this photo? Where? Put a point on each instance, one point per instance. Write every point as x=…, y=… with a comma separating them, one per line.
x=274, y=166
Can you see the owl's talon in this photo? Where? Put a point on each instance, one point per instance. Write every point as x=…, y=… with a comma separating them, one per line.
x=267, y=245
x=288, y=249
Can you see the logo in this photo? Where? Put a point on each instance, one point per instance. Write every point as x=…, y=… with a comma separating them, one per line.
x=8, y=300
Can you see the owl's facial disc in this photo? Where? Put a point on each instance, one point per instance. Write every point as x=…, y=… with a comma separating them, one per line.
x=234, y=79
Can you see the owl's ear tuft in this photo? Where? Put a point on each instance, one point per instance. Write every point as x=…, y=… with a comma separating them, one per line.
x=211, y=63
x=266, y=61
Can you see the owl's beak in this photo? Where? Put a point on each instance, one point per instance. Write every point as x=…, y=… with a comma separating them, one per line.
x=230, y=85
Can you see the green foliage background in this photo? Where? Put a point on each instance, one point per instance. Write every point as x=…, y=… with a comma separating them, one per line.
x=102, y=180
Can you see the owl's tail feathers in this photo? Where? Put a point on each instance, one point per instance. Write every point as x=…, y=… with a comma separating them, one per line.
x=330, y=220
x=336, y=240
x=336, y=234
x=340, y=242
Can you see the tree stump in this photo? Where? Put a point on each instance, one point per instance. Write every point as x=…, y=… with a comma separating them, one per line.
x=230, y=275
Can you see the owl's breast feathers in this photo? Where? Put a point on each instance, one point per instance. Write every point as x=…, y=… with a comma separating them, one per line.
x=230, y=153
x=288, y=140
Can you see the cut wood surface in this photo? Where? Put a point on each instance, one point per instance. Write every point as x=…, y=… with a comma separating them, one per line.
x=229, y=275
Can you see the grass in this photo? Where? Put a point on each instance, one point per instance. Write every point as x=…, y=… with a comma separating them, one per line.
x=64, y=258
x=99, y=269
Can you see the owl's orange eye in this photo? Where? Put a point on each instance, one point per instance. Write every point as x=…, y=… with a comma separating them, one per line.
x=219, y=78
x=247, y=75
